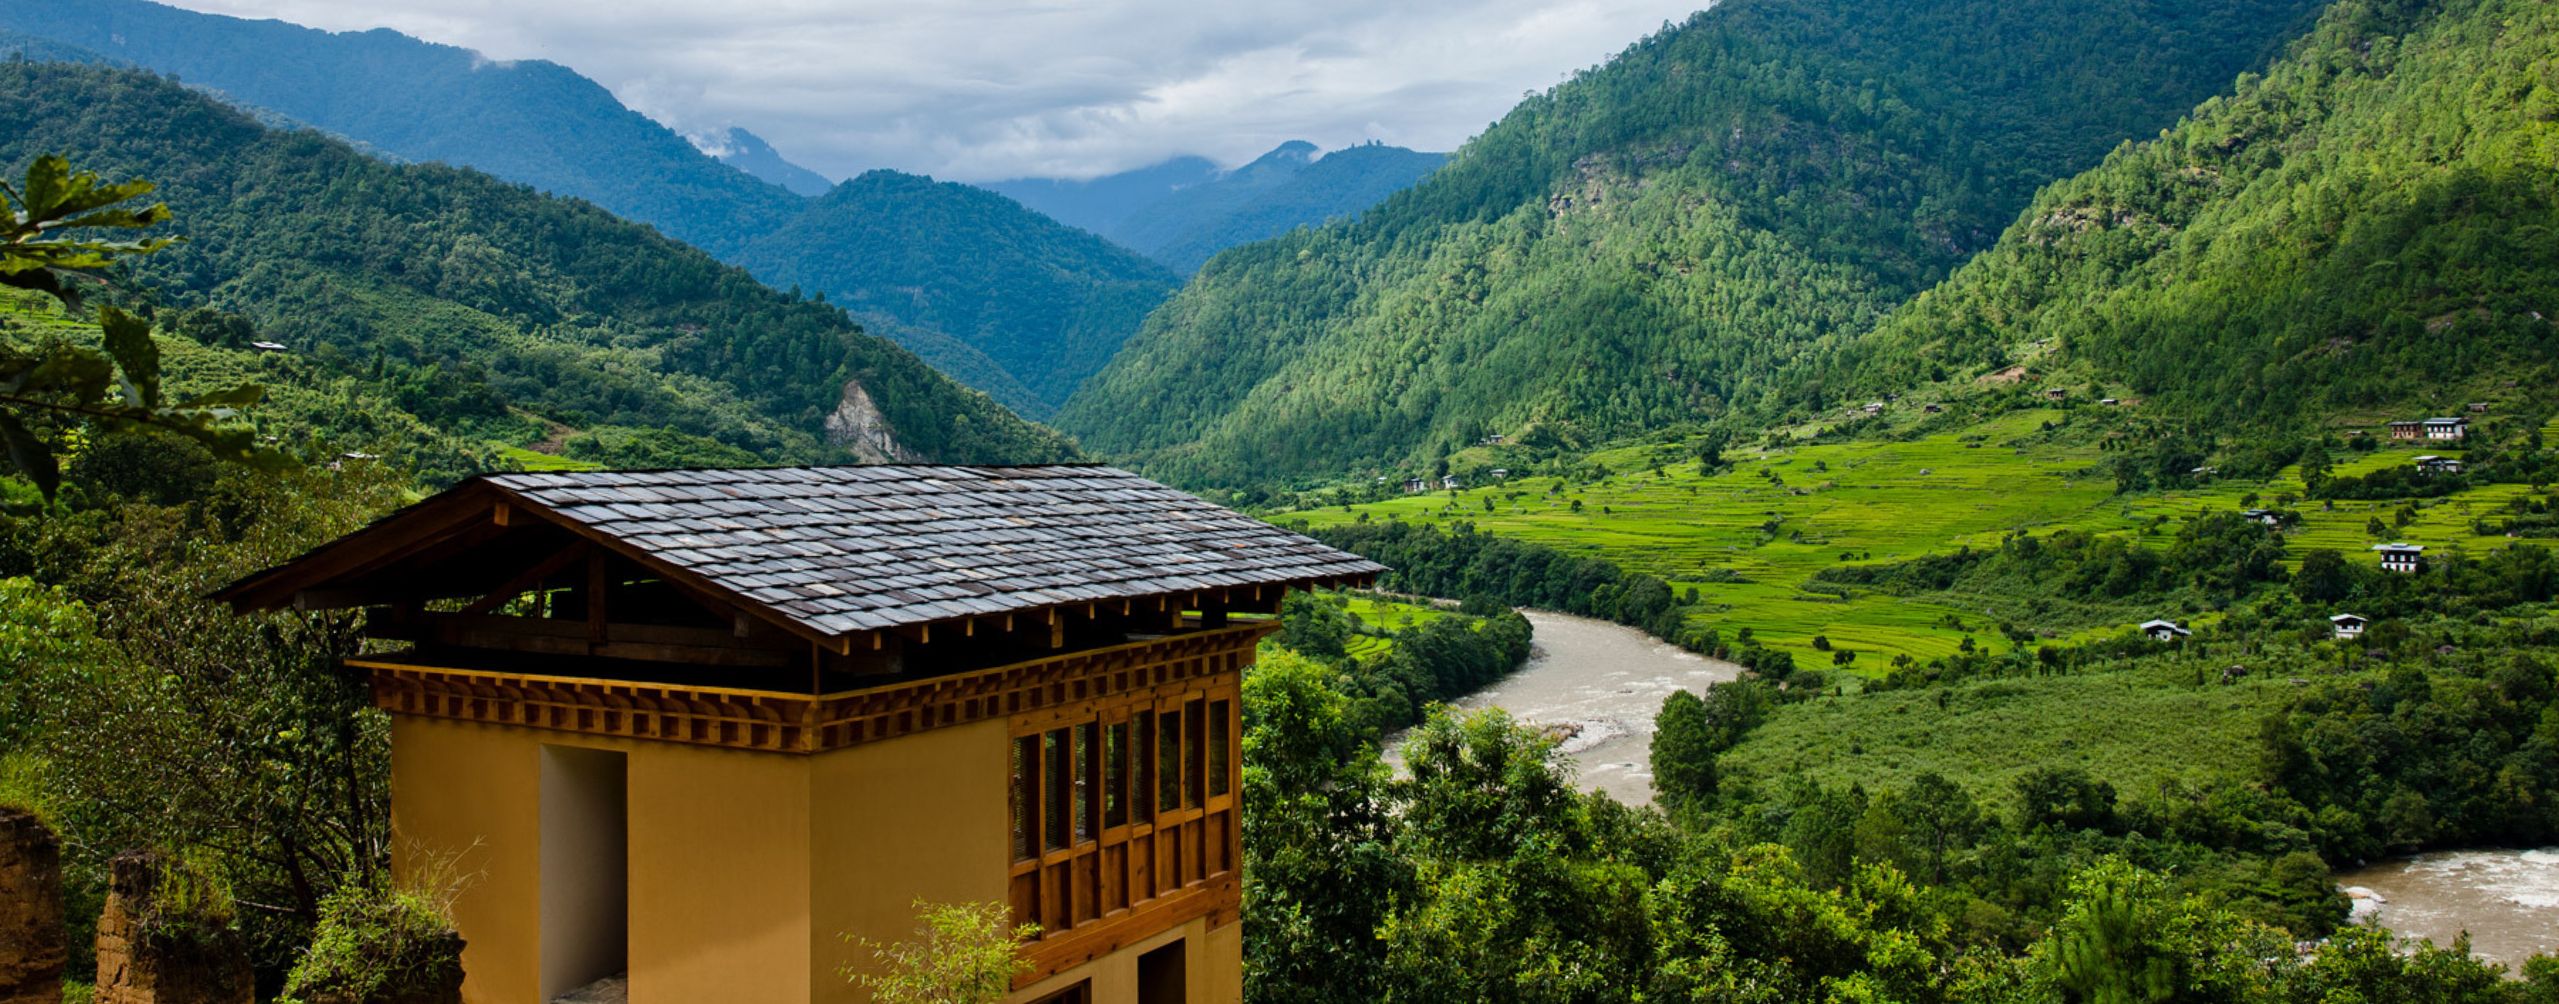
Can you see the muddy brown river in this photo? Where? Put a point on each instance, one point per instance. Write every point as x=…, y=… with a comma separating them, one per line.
x=1606, y=682
x=2507, y=900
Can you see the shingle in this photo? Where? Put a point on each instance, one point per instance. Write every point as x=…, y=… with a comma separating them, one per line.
x=860, y=548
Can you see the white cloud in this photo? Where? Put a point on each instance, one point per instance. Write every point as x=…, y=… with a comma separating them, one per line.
x=985, y=89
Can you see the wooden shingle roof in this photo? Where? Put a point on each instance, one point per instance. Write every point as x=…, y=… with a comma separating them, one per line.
x=839, y=550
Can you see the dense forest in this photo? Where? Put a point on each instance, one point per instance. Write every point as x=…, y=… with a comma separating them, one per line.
x=2367, y=225
x=1044, y=304
x=483, y=308
x=1645, y=242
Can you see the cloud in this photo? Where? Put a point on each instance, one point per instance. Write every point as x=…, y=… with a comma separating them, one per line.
x=980, y=89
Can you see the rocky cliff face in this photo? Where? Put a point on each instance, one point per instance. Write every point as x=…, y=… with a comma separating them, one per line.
x=31, y=948
x=857, y=425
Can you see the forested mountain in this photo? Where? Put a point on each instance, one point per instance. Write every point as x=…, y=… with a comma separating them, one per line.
x=1640, y=244
x=484, y=307
x=1045, y=304
x=2370, y=223
x=533, y=122
x=749, y=152
x=1182, y=211
x=544, y=125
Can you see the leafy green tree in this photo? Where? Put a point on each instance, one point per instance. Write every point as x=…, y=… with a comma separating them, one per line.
x=962, y=953
x=1683, y=752
x=1315, y=624
x=47, y=244
x=2106, y=946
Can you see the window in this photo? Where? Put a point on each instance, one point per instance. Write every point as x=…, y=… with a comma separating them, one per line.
x=1055, y=785
x=1168, y=760
x=1220, y=729
x=1115, y=768
x=1085, y=768
x=1122, y=802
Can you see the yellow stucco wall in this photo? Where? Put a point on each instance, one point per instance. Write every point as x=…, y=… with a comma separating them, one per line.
x=746, y=868
x=919, y=816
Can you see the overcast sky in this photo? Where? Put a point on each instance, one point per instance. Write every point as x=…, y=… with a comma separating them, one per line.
x=979, y=90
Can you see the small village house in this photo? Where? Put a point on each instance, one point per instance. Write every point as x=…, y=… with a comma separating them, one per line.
x=2431, y=464
x=2447, y=428
x=2407, y=429
x=2056, y=394
x=697, y=727
x=269, y=346
x=2478, y=407
x=2163, y=630
x=1450, y=482
x=2348, y=626
x=2269, y=517
x=2400, y=556
x=1874, y=407
x=1415, y=486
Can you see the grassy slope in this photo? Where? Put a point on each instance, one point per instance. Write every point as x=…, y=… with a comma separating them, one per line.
x=1873, y=504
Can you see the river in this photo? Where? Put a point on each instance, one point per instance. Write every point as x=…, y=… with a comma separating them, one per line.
x=2507, y=900
x=1606, y=681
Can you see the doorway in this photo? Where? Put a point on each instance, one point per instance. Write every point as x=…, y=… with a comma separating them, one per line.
x=586, y=897
x=1163, y=975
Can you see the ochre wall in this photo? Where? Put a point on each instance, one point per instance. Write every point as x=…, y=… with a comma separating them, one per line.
x=921, y=816
x=719, y=859
x=746, y=868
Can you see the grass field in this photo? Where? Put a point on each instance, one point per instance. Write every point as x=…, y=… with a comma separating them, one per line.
x=1751, y=537
x=1380, y=616
x=2137, y=730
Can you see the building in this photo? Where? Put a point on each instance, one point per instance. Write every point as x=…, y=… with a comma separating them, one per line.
x=700, y=726
x=2056, y=393
x=2108, y=401
x=1500, y=473
x=2478, y=407
x=1415, y=486
x=2348, y=626
x=2401, y=557
x=2431, y=464
x=2409, y=429
x=1450, y=482
x=2163, y=630
x=269, y=346
x=2269, y=517
x=1933, y=408
x=1874, y=407
x=2447, y=428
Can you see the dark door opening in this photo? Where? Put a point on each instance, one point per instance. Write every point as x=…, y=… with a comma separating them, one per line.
x=1163, y=976
x=586, y=900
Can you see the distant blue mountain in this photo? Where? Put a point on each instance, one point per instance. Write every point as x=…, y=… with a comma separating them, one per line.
x=749, y=152
x=1183, y=211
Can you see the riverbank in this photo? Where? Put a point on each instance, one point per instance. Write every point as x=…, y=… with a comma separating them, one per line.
x=1602, y=683
x=2507, y=900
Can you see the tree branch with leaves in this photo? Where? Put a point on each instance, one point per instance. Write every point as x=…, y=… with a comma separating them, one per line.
x=51, y=243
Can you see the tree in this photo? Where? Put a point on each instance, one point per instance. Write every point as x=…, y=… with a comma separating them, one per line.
x=961, y=954
x=1314, y=624
x=2104, y=946
x=1684, y=749
x=58, y=384
x=2324, y=577
x=1941, y=817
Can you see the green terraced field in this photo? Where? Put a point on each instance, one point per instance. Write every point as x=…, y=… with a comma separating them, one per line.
x=1384, y=616
x=1877, y=501
x=2138, y=730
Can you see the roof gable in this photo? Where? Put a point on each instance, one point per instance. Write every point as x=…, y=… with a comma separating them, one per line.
x=834, y=551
